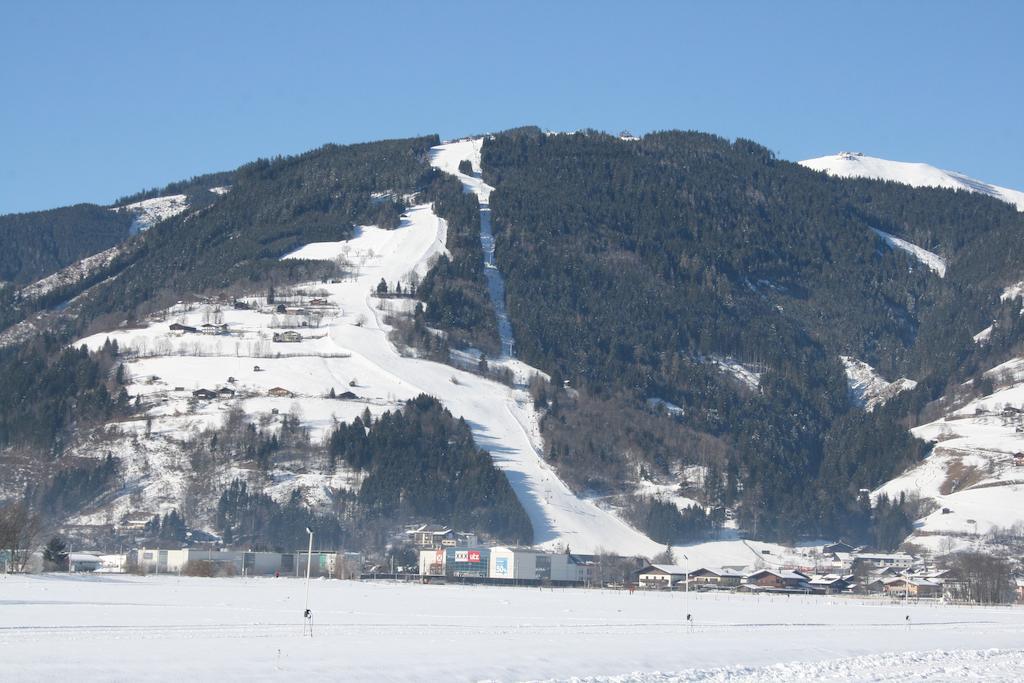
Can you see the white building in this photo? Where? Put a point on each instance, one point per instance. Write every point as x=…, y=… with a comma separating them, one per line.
x=661, y=575
x=237, y=562
x=514, y=563
x=504, y=563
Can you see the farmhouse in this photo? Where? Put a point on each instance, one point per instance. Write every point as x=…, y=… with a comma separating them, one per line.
x=903, y=587
x=706, y=576
x=289, y=336
x=660, y=575
x=280, y=392
x=225, y=392
x=178, y=327
x=830, y=584
x=204, y=394
x=777, y=579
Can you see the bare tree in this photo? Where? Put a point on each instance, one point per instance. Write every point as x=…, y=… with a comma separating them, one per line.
x=19, y=534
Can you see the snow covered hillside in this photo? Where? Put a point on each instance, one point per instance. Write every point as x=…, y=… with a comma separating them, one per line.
x=973, y=476
x=162, y=627
x=934, y=262
x=72, y=274
x=345, y=347
x=149, y=212
x=867, y=387
x=856, y=165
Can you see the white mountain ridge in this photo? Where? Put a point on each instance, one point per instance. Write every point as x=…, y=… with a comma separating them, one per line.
x=858, y=165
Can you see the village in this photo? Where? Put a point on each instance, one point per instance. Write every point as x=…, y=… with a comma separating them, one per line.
x=444, y=555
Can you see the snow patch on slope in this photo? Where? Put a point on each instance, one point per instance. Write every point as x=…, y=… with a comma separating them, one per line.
x=149, y=212
x=746, y=374
x=867, y=387
x=72, y=274
x=934, y=262
x=857, y=165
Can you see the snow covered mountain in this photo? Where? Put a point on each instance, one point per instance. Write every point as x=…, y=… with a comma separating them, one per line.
x=857, y=165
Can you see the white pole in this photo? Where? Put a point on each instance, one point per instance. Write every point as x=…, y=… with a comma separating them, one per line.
x=686, y=589
x=306, y=614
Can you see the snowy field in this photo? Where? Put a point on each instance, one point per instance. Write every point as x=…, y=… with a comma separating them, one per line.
x=163, y=627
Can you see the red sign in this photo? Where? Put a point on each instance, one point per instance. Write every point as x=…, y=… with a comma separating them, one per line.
x=474, y=555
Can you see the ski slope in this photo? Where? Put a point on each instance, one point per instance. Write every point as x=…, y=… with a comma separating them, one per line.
x=351, y=344
x=857, y=165
x=447, y=157
x=156, y=628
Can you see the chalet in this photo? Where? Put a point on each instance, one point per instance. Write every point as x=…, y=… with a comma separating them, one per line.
x=212, y=328
x=431, y=536
x=226, y=392
x=204, y=394
x=280, y=392
x=830, y=584
x=288, y=336
x=712, y=577
x=837, y=547
x=777, y=579
x=660, y=575
x=347, y=396
x=178, y=327
x=240, y=305
x=903, y=587
x=427, y=536
x=1018, y=459
x=1010, y=411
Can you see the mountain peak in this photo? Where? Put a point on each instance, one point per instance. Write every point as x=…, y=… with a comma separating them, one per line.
x=858, y=165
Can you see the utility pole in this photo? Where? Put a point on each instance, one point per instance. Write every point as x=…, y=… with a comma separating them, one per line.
x=306, y=614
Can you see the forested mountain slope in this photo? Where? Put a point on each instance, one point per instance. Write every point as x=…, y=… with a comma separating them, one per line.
x=39, y=243
x=654, y=256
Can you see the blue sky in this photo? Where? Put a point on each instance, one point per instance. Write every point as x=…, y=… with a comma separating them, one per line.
x=103, y=99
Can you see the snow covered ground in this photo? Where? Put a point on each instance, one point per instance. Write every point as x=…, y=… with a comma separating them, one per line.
x=934, y=262
x=867, y=387
x=162, y=627
x=857, y=165
x=149, y=212
x=72, y=274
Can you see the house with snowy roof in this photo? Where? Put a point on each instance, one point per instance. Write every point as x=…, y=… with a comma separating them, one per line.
x=777, y=579
x=660, y=575
x=905, y=587
x=716, y=577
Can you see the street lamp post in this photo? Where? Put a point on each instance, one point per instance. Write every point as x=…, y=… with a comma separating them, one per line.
x=307, y=616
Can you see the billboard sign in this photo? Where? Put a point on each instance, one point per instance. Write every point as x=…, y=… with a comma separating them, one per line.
x=501, y=566
x=467, y=555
